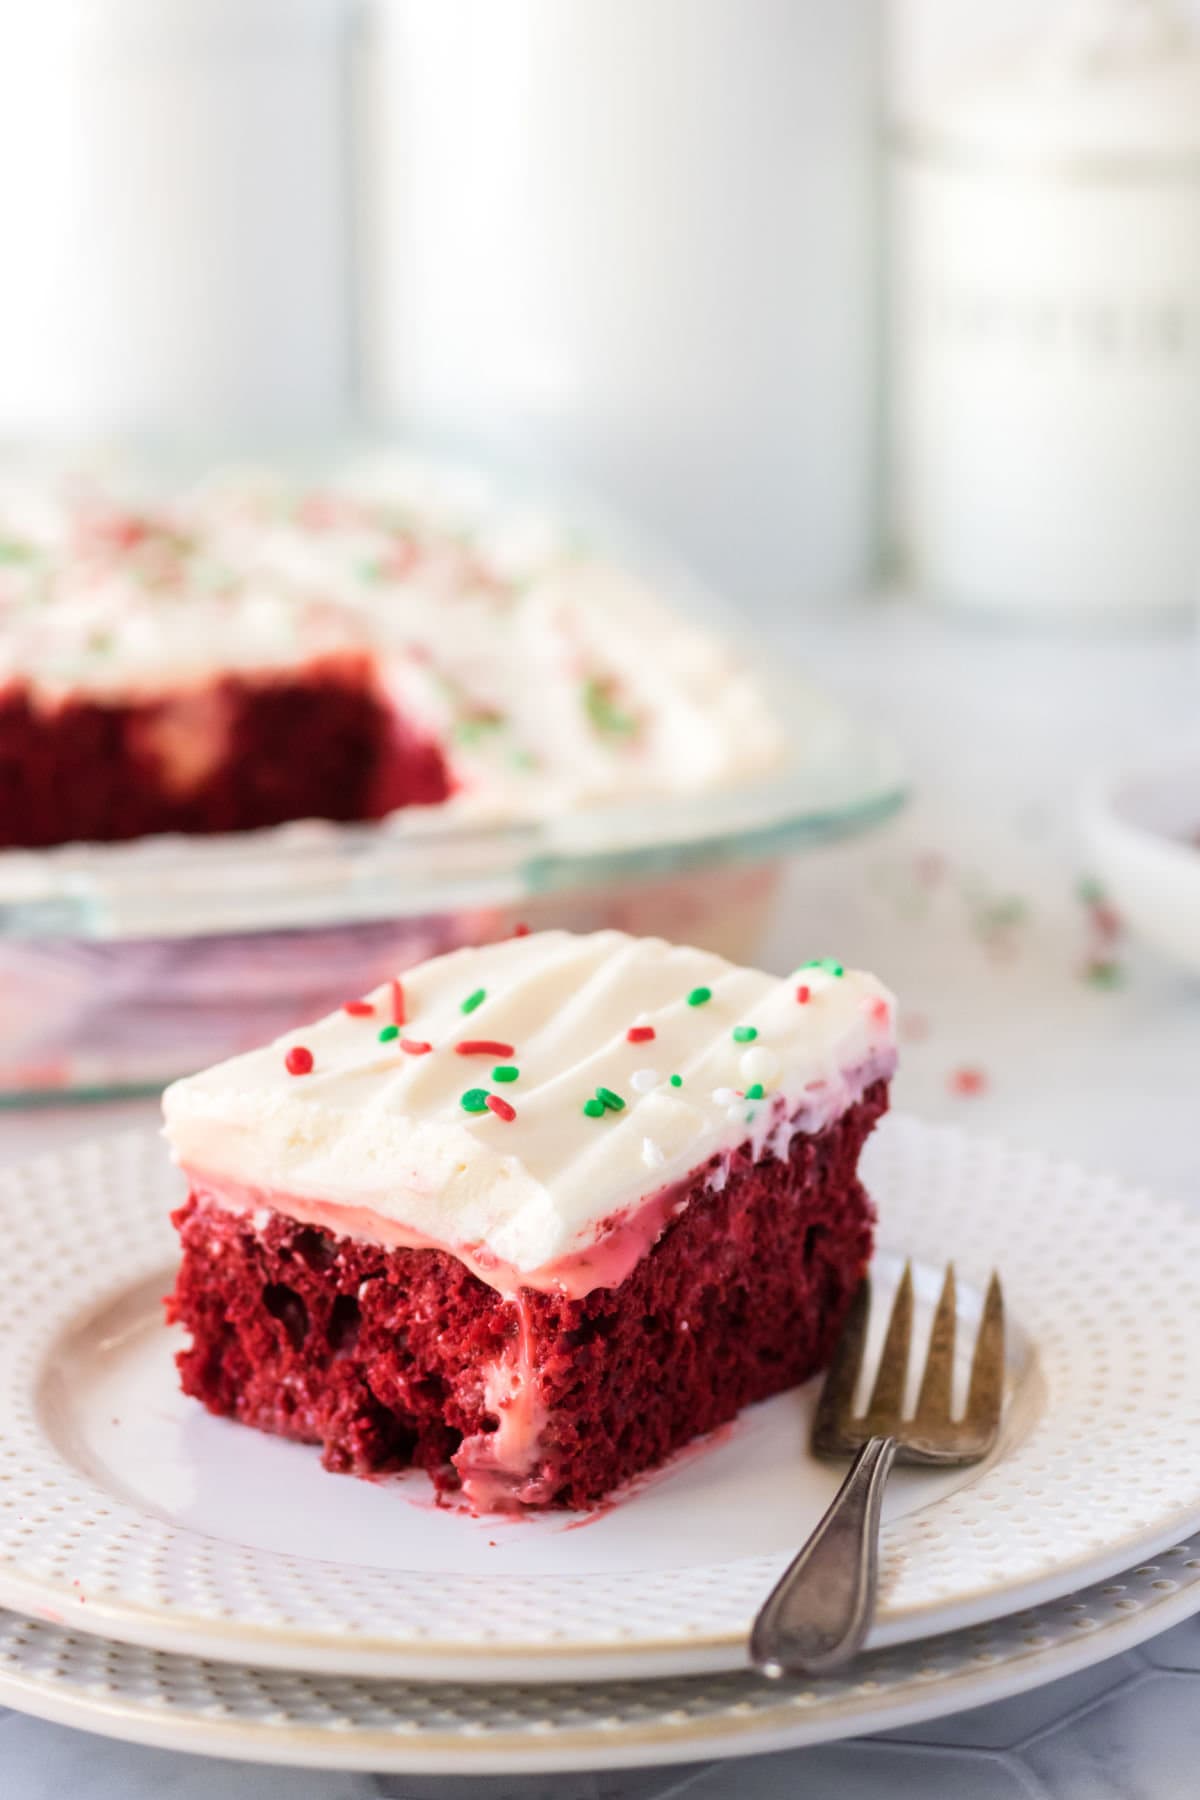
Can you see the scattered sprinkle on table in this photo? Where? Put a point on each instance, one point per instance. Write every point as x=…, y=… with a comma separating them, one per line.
x=501, y=1108
x=699, y=996
x=299, y=1060
x=639, y=1034
x=474, y=1100
x=968, y=1081
x=474, y=1000
x=359, y=1009
x=483, y=1047
x=744, y=1034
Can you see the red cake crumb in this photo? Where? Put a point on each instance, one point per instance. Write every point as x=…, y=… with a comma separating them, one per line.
x=382, y=1357
x=321, y=744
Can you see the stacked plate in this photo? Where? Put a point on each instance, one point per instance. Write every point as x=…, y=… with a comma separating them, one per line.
x=174, y=1579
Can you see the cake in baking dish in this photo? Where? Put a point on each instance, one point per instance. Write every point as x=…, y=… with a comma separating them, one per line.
x=534, y=1218
x=251, y=651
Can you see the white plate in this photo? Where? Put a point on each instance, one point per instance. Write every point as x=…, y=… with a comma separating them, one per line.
x=128, y=1511
x=422, y=1728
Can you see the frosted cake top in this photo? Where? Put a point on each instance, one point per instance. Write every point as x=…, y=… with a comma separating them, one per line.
x=512, y=1103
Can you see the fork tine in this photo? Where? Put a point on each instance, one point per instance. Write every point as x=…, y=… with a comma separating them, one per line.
x=835, y=1408
x=887, y=1396
x=986, y=1396
x=937, y=1383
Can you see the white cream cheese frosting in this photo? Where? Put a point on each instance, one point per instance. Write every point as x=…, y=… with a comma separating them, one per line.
x=636, y=1062
x=550, y=676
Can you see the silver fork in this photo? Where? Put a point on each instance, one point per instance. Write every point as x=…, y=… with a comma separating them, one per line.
x=818, y=1614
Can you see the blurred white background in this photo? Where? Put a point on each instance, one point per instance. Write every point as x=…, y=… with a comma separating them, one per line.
x=640, y=242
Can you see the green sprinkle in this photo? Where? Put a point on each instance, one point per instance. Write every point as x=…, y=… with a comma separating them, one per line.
x=505, y=1072
x=604, y=711
x=474, y=1000
x=699, y=996
x=388, y=1033
x=677, y=1081
x=607, y=1098
x=474, y=1100
x=475, y=727
x=1102, y=973
x=1090, y=891
x=595, y=1109
x=744, y=1034
x=755, y=1091
x=828, y=963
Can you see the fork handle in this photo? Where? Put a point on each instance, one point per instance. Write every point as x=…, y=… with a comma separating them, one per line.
x=817, y=1615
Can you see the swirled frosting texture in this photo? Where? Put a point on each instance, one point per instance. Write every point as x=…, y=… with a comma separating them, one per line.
x=375, y=1138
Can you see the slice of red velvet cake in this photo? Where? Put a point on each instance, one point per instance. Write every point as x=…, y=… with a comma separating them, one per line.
x=536, y=1218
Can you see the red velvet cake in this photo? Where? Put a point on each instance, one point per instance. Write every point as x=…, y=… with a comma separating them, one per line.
x=252, y=651
x=536, y=1219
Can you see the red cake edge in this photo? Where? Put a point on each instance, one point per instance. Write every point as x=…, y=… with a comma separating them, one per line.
x=240, y=752
x=389, y=1358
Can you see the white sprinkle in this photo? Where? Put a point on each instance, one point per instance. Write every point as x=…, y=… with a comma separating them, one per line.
x=652, y=1154
x=759, y=1064
x=642, y=1080
x=723, y=1096
x=261, y=1219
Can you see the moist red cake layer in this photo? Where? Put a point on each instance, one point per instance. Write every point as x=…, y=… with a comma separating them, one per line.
x=320, y=744
x=383, y=1356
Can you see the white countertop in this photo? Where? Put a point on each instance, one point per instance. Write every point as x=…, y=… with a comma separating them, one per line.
x=970, y=907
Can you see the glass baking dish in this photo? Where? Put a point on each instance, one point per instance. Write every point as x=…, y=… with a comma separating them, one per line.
x=123, y=965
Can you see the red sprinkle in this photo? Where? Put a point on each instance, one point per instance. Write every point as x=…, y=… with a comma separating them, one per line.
x=298, y=1060
x=639, y=1034
x=804, y=995
x=521, y=930
x=359, y=1009
x=484, y=1047
x=397, y=1003
x=415, y=1047
x=881, y=1012
x=500, y=1107
x=968, y=1081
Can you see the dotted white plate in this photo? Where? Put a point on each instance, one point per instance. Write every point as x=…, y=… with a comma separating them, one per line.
x=128, y=1511
x=442, y=1728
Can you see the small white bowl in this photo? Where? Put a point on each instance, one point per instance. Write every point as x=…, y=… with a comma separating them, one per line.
x=1143, y=831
